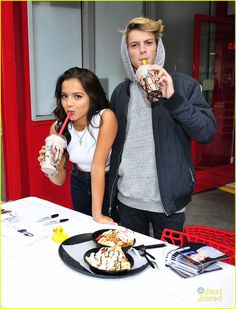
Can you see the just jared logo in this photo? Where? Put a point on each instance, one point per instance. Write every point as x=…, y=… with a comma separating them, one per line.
x=209, y=295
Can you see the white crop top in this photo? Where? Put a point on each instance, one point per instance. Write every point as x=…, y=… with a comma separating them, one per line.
x=82, y=145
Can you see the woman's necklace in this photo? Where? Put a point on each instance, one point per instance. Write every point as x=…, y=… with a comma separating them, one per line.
x=80, y=138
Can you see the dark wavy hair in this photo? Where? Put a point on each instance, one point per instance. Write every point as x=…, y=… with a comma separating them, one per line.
x=93, y=88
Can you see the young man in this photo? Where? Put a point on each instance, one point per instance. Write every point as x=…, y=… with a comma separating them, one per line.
x=151, y=172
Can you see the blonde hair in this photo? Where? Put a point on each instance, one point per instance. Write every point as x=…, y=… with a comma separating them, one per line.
x=145, y=24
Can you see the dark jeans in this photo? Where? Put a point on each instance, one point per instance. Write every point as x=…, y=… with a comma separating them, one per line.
x=139, y=220
x=81, y=191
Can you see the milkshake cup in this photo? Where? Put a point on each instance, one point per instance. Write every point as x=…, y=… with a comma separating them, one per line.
x=54, y=148
x=149, y=82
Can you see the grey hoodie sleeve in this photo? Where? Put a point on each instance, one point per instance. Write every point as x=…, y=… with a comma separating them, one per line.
x=189, y=108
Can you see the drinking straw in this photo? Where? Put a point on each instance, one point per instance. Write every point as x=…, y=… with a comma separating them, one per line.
x=144, y=61
x=64, y=124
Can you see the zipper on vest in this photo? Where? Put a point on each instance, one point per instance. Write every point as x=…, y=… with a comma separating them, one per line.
x=191, y=173
x=157, y=167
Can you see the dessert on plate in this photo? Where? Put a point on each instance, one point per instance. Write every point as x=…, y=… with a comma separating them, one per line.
x=122, y=237
x=109, y=259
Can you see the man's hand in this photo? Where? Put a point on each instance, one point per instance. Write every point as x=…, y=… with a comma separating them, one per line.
x=164, y=80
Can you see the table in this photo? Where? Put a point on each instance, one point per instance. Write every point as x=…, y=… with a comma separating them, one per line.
x=34, y=276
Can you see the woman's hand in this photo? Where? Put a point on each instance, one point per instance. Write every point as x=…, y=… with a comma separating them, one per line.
x=164, y=80
x=41, y=155
x=104, y=219
x=59, y=177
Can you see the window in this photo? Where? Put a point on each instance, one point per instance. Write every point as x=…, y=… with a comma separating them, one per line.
x=109, y=18
x=54, y=46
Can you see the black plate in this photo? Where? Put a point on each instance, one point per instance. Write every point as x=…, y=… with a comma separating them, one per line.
x=107, y=272
x=99, y=232
x=76, y=264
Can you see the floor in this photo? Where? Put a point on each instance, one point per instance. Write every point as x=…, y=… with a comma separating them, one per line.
x=213, y=208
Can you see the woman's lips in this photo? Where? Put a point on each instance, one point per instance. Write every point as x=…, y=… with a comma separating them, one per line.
x=71, y=112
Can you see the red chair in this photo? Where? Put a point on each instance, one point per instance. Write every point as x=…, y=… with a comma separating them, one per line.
x=220, y=236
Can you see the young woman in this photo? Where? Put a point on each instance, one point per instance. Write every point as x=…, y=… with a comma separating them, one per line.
x=90, y=133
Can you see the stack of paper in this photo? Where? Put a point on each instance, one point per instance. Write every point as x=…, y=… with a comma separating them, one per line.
x=194, y=259
x=21, y=228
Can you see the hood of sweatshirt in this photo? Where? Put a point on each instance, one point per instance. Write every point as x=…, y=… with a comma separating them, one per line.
x=160, y=57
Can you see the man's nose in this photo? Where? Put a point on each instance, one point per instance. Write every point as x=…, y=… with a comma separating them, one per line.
x=142, y=48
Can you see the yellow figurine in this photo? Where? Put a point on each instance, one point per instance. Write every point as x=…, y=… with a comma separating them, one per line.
x=58, y=235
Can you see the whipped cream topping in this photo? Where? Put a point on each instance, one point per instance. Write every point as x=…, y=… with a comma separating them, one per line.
x=121, y=236
x=109, y=258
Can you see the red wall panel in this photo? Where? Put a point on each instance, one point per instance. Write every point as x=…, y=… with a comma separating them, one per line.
x=11, y=126
x=22, y=137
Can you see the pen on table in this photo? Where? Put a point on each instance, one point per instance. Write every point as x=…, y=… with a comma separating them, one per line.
x=48, y=218
x=55, y=221
x=4, y=211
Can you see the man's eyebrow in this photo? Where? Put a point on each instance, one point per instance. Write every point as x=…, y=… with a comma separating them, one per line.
x=150, y=39
x=133, y=42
